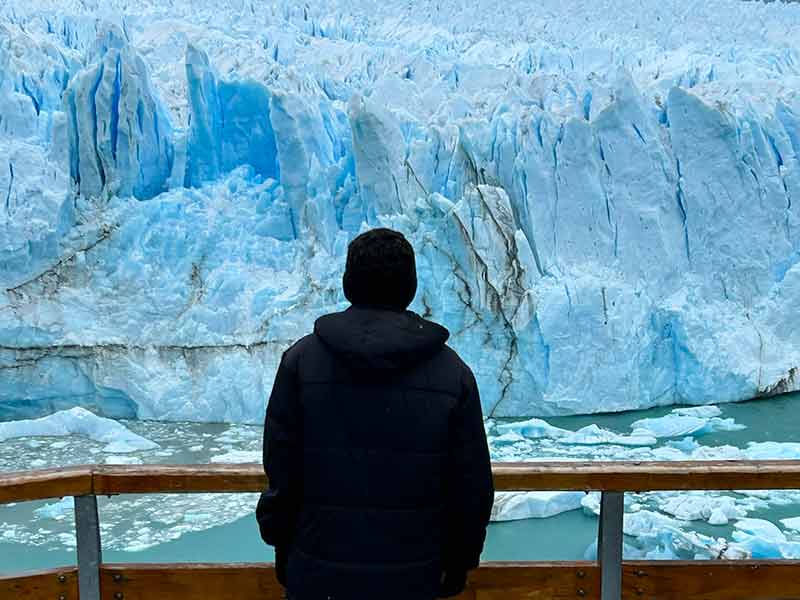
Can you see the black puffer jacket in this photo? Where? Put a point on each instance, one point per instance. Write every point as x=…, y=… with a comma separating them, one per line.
x=377, y=459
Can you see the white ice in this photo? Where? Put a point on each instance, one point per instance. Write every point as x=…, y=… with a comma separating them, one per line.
x=511, y=506
x=685, y=422
x=79, y=421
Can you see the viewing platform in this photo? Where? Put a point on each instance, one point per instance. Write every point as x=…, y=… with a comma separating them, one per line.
x=609, y=578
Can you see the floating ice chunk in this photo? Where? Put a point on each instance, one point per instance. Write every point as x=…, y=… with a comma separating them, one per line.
x=591, y=503
x=671, y=426
x=699, y=411
x=511, y=506
x=700, y=506
x=510, y=437
x=759, y=528
x=589, y=435
x=56, y=510
x=792, y=523
x=114, y=459
x=687, y=444
x=660, y=537
x=533, y=428
x=763, y=539
x=684, y=422
x=718, y=517
x=725, y=425
x=773, y=450
x=238, y=456
x=122, y=446
x=592, y=434
x=78, y=421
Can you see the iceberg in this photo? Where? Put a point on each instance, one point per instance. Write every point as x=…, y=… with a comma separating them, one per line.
x=702, y=506
x=511, y=506
x=792, y=523
x=79, y=421
x=605, y=219
x=590, y=435
x=685, y=422
x=531, y=428
x=56, y=510
x=238, y=456
x=763, y=540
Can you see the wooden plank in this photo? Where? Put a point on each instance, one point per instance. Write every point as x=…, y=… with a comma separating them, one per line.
x=148, y=479
x=712, y=580
x=646, y=476
x=226, y=582
x=190, y=581
x=643, y=580
x=52, y=584
x=534, y=581
x=582, y=476
x=21, y=486
x=585, y=476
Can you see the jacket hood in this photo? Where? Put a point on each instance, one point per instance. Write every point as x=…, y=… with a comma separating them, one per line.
x=373, y=338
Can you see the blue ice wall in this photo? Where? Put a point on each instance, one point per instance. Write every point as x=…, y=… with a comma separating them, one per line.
x=605, y=218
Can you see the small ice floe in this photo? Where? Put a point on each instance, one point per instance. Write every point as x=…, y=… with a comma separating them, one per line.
x=687, y=444
x=700, y=506
x=653, y=536
x=792, y=523
x=56, y=510
x=532, y=429
x=78, y=421
x=658, y=536
x=116, y=459
x=682, y=422
x=763, y=540
x=594, y=435
x=591, y=504
x=238, y=456
x=510, y=437
x=773, y=450
x=586, y=436
x=512, y=506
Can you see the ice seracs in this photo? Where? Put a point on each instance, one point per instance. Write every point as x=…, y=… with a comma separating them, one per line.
x=606, y=219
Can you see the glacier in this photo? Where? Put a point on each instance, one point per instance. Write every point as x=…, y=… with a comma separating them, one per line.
x=603, y=196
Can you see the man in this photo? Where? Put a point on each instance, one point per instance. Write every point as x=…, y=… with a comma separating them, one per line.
x=380, y=483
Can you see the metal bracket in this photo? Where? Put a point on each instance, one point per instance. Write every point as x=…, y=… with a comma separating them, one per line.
x=609, y=544
x=87, y=527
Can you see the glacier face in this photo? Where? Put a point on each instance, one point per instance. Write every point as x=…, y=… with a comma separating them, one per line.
x=604, y=198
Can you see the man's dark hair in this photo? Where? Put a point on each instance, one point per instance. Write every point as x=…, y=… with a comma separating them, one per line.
x=380, y=270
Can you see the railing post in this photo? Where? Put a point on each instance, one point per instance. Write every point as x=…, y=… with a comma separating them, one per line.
x=87, y=527
x=609, y=544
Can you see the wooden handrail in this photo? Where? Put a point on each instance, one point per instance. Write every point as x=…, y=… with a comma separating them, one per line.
x=20, y=486
x=613, y=479
x=522, y=476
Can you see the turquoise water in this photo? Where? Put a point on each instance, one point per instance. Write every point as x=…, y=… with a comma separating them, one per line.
x=221, y=528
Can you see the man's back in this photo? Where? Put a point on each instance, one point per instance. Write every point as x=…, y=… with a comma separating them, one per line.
x=377, y=459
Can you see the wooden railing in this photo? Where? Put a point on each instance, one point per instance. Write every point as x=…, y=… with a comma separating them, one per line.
x=608, y=578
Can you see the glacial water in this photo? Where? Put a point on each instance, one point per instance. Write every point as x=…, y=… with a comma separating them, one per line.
x=221, y=527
